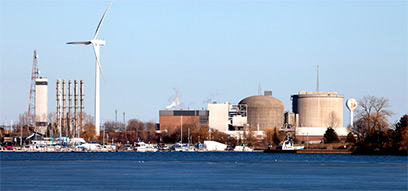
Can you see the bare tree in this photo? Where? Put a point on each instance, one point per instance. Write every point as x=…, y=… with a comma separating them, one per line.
x=370, y=104
x=26, y=120
x=333, y=121
x=372, y=120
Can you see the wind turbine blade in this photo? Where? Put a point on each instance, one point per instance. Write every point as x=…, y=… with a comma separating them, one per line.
x=80, y=42
x=96, y=51
x=100, y=22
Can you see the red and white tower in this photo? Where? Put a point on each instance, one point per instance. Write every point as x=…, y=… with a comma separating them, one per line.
x=34, y=76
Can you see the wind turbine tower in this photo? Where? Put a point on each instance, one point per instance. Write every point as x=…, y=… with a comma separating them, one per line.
x=95, y=44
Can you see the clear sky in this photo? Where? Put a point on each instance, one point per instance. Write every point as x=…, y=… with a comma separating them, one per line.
x=208, y=49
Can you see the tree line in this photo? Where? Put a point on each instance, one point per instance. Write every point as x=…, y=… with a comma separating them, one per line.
x=372, y=133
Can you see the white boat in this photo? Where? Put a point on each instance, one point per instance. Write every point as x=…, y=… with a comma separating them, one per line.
x=289, y=145
x=214, y=146
x=151, y=148
x=242, y=149
x=92, y=146
x=143, y=147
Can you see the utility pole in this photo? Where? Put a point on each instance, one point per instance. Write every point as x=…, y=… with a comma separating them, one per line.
x=124, y=123
x=21, y=138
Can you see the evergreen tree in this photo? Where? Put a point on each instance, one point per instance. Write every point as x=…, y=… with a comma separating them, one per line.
x=350, y=138
x=330, y=136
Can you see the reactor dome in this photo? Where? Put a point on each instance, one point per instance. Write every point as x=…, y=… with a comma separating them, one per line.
x=264, y=112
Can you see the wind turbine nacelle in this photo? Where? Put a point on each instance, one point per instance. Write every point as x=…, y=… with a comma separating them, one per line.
x=98, y=42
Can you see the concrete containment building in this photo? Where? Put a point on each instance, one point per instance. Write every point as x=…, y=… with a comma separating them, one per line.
x=264, y=111
x=41, y=104
x=318, y=109
x=315, y=112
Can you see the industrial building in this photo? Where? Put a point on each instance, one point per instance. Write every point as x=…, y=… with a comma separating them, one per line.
x=70, y=117
x=172, y=119
x=41, y=104
x=226, y=116
x=314, y=112
x=264, y=111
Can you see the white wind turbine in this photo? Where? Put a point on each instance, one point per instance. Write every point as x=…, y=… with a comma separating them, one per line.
x=96, y=43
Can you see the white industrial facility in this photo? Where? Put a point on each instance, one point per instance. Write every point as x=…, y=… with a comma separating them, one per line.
x=41, y=104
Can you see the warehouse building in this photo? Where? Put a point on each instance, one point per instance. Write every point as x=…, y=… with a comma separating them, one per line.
x=171, y=119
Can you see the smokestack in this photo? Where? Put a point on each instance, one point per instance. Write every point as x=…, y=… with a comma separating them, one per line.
x=69, y=117
x=76, y=107
x=63, y=122
x=81, y=100
x=59, y=105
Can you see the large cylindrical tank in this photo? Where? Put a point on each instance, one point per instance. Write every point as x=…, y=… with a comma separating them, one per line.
x=319, y=109
x=264, y=112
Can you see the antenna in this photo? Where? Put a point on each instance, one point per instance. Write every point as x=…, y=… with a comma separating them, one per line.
x=259, y=89
x=317, y=85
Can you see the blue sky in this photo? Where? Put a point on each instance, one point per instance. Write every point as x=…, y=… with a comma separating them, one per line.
x=219, y=50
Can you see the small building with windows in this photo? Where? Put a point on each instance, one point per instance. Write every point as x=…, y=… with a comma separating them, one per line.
x=172, y=119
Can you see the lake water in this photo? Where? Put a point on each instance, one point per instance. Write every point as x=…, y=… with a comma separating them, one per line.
x=201, y=171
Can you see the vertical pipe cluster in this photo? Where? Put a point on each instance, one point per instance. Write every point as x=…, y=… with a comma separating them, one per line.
x=69, y=123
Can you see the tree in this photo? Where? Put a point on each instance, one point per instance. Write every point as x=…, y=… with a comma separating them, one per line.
x=333, y=120
x=400, y=136
x=374, y=134
x=200, y=134
x=350, y=138
x=89, y=133
x=373, y=114
x=275, y=137
x=26, y=120
x=330, y=136
x=268, y=140
x=112, y=126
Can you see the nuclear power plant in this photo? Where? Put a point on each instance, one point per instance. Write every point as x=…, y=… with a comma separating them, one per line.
x=69, y=121
x=312, y=113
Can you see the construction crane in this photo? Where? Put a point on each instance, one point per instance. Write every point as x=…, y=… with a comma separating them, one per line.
x=34, y=76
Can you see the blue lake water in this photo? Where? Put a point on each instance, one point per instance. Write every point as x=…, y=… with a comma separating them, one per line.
x=201, y=171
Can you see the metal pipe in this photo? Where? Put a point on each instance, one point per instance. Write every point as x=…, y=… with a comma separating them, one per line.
x=59, y=106
x=69, y=118
x=81, y=100
x=63, y=124
x=76, y=107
